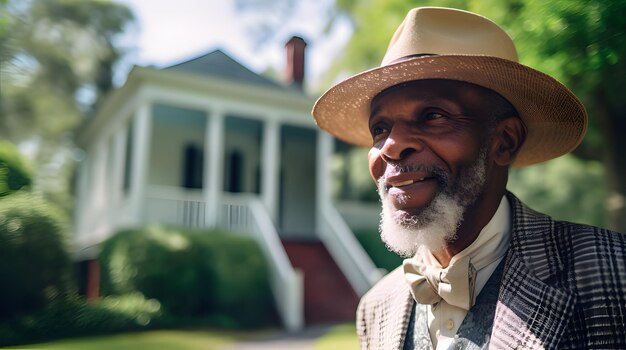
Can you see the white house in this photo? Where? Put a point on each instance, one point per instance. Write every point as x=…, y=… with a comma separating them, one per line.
x=208, y=143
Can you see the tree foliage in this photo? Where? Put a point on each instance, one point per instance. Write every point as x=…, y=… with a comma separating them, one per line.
x=56, y=62
x=583, y=44
x=54, y=53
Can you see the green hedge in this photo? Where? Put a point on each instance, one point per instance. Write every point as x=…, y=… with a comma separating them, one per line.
x=192, y=274
x=376, y=249
x=74, y=317
x=195, y=279
x=14, y=173
x=35, y=267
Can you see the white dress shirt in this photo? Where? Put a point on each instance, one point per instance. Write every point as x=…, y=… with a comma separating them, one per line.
x=485, y=254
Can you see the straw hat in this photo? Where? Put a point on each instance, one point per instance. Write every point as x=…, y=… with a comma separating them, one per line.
x=442, y=43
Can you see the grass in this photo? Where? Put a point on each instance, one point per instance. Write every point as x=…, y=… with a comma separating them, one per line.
x=339, y=337
x=157, y=340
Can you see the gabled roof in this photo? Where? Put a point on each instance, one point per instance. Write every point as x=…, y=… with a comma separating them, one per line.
x=218, y=64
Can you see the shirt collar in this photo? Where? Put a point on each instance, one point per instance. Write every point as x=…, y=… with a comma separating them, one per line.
x=490, y=245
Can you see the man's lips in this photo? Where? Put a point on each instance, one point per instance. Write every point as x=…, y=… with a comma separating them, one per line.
x=406, y=179
x=405, y=182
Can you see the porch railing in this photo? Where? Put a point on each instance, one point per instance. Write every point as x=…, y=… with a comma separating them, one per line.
x=350, y=256
x=246, y=214
x=175, y=206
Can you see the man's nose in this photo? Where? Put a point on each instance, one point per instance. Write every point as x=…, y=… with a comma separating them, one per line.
x=401, y=142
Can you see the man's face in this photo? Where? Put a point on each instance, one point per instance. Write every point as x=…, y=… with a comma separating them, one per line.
x=429, y=158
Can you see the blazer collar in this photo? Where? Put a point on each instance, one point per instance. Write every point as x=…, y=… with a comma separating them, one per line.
x=531, y=312
x=401, y=322
x=389, y=316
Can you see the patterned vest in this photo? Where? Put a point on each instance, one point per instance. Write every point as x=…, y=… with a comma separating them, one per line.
x=475, y=330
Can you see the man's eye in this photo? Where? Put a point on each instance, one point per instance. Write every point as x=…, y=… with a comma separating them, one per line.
x=433, y=115
x=378, y=130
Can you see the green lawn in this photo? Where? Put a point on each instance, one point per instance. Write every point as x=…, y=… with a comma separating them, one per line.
x=157, y=340
x=339, y=337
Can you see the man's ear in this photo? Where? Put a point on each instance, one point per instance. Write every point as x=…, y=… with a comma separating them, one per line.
x=508, y=137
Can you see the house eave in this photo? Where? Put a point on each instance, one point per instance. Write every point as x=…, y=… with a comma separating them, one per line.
x=288, y=99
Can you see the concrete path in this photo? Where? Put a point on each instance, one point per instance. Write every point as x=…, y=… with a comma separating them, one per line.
x=302, y=340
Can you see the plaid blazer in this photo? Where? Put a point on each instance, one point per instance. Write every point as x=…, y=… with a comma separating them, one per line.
x=563, y=287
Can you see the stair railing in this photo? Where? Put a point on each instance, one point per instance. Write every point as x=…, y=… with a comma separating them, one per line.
x=348, y=253
x=245, y=213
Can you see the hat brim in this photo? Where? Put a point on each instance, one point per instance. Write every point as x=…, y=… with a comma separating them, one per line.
x=555, y=119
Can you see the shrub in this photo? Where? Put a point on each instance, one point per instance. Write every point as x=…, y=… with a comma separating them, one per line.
x=376, y=249
x=75, y=317
x=193, y=274
x=160, y=264
x=14, y=173
x=241, y=284
x=35, y=267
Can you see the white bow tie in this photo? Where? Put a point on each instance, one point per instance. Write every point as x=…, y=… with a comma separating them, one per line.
x=430, y=284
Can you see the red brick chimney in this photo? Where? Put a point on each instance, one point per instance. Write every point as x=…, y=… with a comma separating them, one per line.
x=294, y=70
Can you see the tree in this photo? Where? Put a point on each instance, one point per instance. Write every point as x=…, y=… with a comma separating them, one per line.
x=56, y=62
x=581, y=43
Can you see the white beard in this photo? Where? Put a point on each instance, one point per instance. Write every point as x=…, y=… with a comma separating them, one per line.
x=438, y=222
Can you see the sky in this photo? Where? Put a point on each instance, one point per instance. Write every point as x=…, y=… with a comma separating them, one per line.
x=172, y=31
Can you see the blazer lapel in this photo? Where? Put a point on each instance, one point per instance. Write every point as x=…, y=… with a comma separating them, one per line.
x=530, y=313
x=396, y=335
x=385, y=312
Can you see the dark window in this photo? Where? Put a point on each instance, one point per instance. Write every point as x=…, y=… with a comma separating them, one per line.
x=235, y=172
x=257, y=179
x=193, y=164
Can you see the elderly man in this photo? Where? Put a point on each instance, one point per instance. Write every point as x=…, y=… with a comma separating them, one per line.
x=446, y=115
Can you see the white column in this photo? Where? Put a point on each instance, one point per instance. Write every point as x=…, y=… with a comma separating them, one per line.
x=142, y=125
x=82, y=199
x=270, y=165
x=213, y=166
x=117, y=173
x=98, y=222
x=324, y=154
x=108, y=172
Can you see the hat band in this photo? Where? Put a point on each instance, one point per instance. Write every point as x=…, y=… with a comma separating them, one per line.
x=404, y=58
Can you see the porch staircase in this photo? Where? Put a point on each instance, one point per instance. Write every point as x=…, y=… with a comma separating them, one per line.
x=328, y=296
